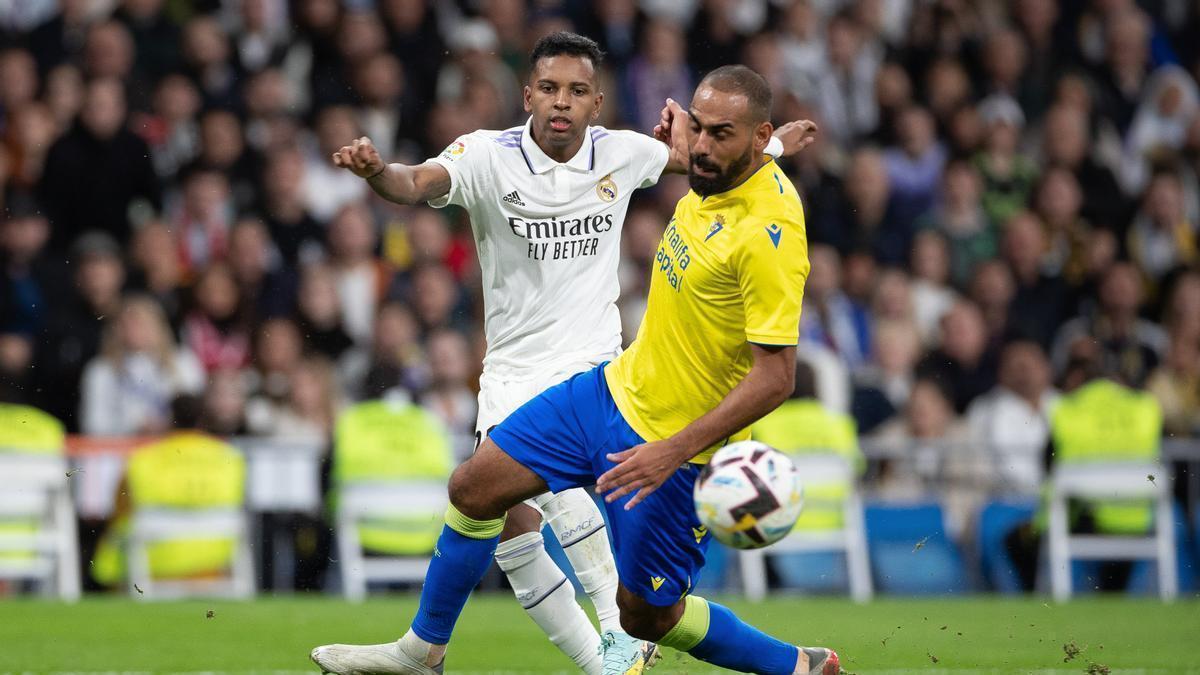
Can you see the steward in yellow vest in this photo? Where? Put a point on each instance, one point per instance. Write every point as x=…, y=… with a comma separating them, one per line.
x=26, y=430
x=1103, y=421
x=393, y=441
x=186, y=469
x=801, y=425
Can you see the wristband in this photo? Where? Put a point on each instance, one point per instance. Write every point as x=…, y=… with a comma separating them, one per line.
x=774, y=147
x=385, y=166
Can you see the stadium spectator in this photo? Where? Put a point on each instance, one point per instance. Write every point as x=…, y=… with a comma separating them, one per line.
x=362, y=278
x=30, y=279
x=309, y=411
x=1066, y=143
x=215, y=330
x=883, y=389
x=327, y=189
x=223, y=409
x=992, y=290
x=660, y=74
x=964, y=364
x=1057, y=200
x=932, y=295
x=1128, y=347
x=1176, y=385
x=266, y=287
x=170, y=127
x=448, y=396
x=1041, y=298
x=64, y=93
x=959, y=216
x=1162, y=237
x=1008, y=176
x=830, y=318
x=207, y=61
x=97, y=170
x=223, y=148
x=73, y=331
x=278, y=348
x=156, y=270
x=31, y=130
x=201, y=215
x=1012, y=421
x=127, y=389
x=846, y=81
x=914, y=166
x=295, y=232
x=319, y=317
x=396, y=359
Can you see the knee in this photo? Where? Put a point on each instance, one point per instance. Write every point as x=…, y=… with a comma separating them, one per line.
x=646, y=622
x=471, y=497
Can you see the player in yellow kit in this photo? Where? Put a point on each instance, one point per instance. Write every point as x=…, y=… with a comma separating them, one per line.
x=716, y=351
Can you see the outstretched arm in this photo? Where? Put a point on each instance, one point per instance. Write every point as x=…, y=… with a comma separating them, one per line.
x=671, y=129
x=396, y=182
x=645, y=467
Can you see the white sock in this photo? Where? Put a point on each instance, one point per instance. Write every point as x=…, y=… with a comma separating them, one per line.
x=416, y=647
x=577, y=522
x=549, y=599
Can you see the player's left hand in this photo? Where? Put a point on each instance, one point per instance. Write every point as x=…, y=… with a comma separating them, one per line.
x=796, y=136
x=672, y=130
x=642, y=468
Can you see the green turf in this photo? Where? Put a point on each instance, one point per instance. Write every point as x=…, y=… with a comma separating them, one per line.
x=975, y=635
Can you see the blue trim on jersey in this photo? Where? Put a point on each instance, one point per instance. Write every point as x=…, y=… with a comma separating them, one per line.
x=564, y=435
x=526, y=158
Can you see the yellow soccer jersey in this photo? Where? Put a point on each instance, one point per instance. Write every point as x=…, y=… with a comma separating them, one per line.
x=730, y=271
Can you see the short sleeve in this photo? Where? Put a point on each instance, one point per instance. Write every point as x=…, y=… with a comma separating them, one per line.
x=771, y=264
x=466, y=161
x=649, y=160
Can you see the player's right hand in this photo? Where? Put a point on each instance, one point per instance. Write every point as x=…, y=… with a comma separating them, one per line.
x=360, y=157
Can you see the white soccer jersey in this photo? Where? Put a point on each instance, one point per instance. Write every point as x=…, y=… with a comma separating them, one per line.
x=548, y=237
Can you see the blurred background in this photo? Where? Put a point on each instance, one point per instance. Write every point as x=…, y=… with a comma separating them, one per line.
x=1002, y=210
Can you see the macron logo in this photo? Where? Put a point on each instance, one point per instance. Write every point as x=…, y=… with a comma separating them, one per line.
x=513, y=198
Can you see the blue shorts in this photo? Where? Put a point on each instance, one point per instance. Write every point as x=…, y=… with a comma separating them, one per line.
x=563, y=435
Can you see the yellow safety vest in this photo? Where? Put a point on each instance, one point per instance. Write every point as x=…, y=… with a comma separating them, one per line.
x=25, y=429
x=1104, y=422
x=185, y=470
x=801, y=426
x=382, y=440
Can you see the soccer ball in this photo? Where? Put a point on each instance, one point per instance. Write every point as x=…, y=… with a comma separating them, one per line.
x=749, y=495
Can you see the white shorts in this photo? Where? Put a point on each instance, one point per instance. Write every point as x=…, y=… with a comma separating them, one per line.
x=500, y=397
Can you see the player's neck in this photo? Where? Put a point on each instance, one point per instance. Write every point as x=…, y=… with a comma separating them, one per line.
x=559, y=154
x=755, y=164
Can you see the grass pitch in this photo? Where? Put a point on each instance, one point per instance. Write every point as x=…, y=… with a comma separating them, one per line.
x=974, y=635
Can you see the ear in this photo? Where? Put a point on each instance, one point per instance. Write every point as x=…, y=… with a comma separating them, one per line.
x=762, y=136
x=527, y=98
x=599, y=103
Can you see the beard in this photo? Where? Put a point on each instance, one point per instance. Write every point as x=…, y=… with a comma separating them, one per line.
x=722, y=179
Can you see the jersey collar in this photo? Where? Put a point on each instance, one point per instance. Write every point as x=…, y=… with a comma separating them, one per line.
x=539, y=162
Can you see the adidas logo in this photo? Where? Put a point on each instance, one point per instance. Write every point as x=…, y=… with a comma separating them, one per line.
x=513, y=198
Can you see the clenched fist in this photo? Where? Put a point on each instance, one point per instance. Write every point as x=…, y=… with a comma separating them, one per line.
x=360, y=157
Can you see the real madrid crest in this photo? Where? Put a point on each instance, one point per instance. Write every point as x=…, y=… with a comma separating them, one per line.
x=607, y=188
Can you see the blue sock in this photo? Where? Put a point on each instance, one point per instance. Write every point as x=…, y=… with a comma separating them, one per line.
x=714, y=634
x=464, y=552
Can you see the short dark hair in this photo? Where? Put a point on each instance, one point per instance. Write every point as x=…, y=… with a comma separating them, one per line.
x=739, y=79
x=186, y=411
x=570, y=44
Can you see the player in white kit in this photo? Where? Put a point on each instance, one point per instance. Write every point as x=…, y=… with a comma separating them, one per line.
x=547, y=202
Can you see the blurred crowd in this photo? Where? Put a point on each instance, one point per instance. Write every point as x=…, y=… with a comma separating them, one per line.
x=1003, y=196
